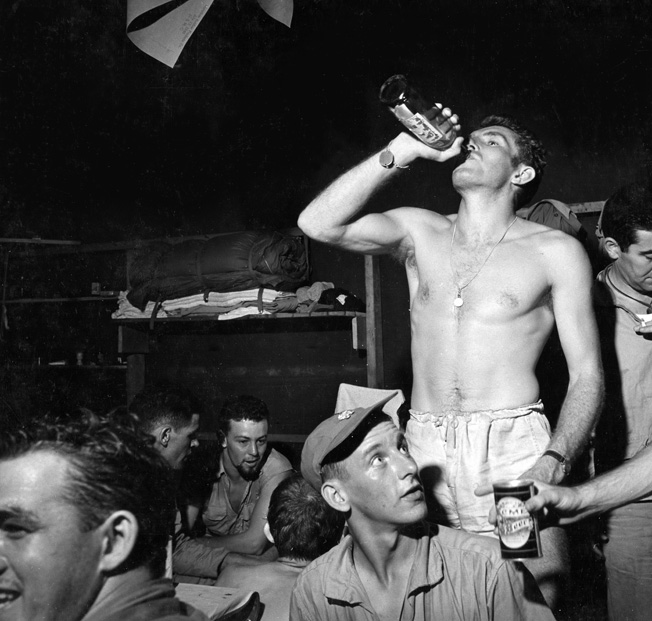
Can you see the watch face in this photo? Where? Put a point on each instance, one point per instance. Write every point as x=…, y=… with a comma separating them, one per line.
x=386, y=159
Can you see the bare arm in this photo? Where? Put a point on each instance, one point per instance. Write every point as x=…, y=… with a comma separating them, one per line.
x=571, y=279
x=253, y=540
x=624, y=484
x=327, y=217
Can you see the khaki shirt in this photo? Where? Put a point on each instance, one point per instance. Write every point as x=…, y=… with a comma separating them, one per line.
x=455, y=576
x=625, y=426
x=219, y=517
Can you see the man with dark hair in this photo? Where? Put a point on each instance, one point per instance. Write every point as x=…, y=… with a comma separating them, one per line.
x=390, y=565
x=169, y=414
x=303, y=527
x=85, y=509
x=623, y=297
x=248, y=471
x=486, y=289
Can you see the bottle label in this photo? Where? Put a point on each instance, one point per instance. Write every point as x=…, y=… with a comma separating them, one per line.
x=421, y=127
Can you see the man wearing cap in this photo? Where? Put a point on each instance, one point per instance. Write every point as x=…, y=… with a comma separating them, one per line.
x=390, y=566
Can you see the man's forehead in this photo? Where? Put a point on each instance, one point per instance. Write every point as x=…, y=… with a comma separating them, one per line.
x=643, y=241
x=194, y=422
x=38, y=475
x=495, y=130
x=248, y=427
x=383, y=431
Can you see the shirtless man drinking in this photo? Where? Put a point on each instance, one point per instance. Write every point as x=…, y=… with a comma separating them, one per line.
x=486, y=289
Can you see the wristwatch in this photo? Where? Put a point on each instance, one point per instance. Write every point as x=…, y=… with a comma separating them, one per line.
x=386, y=159
x=565, y=464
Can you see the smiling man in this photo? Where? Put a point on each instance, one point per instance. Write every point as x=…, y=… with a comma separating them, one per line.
x=85, y=508
x=486, y=289
x=249, y=470
x=390, y=565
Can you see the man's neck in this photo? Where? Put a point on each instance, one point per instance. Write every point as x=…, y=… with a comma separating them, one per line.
x=114, y=591
x=380, y=552
x=482, y=213
x=623, y=285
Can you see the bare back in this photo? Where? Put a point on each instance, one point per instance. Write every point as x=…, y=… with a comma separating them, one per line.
x=481, y=355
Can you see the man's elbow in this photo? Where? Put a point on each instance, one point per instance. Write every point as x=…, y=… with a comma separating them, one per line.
x=314, y=229
x=255, y=548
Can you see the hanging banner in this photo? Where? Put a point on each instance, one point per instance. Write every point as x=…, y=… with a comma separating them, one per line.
x=165, y=38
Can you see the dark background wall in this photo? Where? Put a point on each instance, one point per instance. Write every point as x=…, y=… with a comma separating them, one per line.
x=99, y=142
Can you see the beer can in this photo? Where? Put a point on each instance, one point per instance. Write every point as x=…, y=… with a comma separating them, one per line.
x=518, y=529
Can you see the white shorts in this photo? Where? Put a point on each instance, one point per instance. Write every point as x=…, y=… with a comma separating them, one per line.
x=458, y=452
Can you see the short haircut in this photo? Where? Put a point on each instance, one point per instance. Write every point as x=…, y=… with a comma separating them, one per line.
x=303, y=525
x=240, y=407
x=626, y=211
x=164, y=404
x=113, y=466
x=530, y=152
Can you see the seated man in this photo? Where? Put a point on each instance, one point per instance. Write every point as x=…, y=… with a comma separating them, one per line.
x=170, y=415
x=303, y=527
x=391, y=566
x=235, y=513
x=85, y=508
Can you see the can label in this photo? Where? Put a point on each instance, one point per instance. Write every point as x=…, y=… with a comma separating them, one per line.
x=517, y=528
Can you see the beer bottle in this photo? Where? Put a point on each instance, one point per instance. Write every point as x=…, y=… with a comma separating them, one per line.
x=426, y=122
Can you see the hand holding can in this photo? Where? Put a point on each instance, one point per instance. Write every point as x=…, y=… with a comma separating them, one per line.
x=518, y=529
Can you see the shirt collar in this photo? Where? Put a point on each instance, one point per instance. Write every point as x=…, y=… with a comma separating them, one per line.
x=427, y=570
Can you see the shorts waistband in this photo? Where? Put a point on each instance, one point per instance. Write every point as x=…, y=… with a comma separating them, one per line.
x=434, y=417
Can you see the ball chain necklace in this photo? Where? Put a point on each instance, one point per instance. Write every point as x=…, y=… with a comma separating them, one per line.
x=458, y=301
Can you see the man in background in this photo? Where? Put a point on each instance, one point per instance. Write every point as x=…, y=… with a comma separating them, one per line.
x=235, y=511
x=303, y=527
x=85, y=511
x=170, y=415
x=623, y=294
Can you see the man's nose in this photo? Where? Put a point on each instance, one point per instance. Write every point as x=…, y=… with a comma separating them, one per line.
x=254, y=449
x=406, y=465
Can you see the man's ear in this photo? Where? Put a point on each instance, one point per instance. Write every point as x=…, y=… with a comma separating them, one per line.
x=162, y=435
x=335, y=495
x=119, y=533
x=268, y=533
x=523, y=175
x=611, y=247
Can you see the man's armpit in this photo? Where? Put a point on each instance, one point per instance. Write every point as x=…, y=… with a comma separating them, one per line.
x=405, y=255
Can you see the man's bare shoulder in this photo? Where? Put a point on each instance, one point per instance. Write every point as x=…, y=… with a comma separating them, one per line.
x=559, y=251
x=545, y=237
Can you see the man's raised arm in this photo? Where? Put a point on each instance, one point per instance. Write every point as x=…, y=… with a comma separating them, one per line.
x=327, y=217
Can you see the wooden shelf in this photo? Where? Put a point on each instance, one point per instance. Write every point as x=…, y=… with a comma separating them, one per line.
x=89, y=298
x=256, y=317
